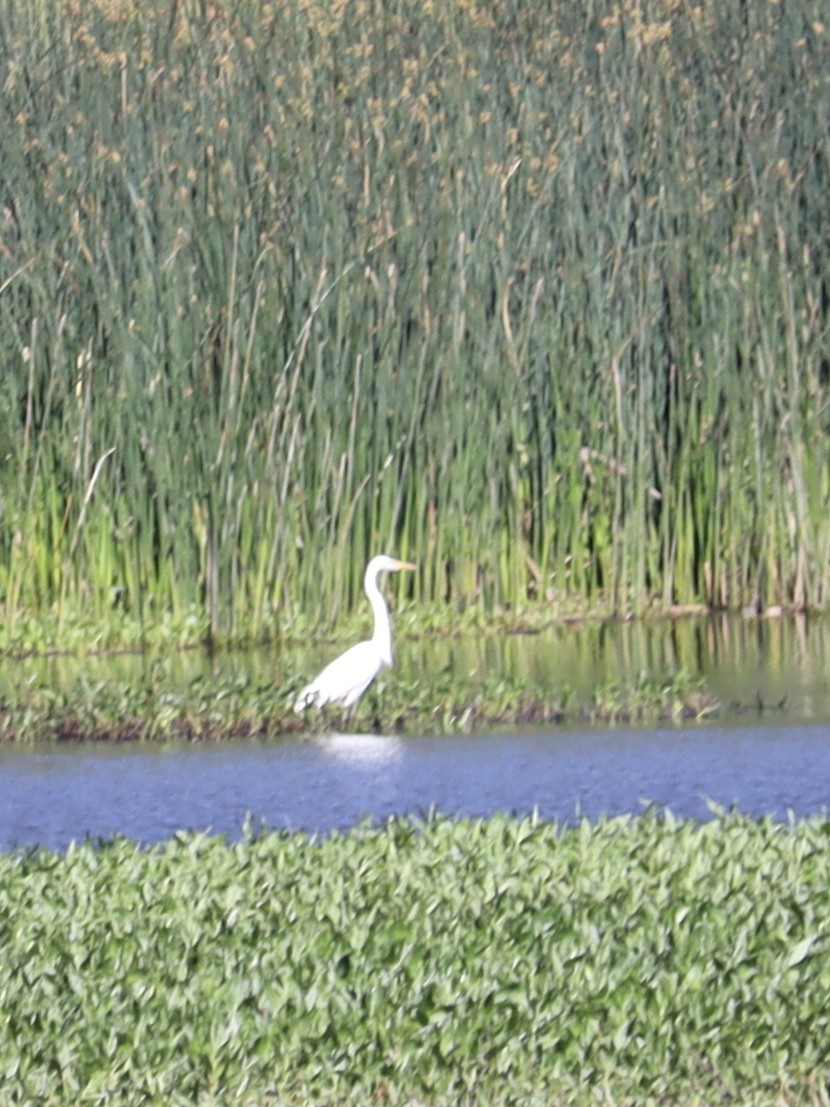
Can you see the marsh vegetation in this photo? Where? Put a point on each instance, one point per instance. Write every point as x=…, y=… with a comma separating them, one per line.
x=535, y=295
x=506, y=961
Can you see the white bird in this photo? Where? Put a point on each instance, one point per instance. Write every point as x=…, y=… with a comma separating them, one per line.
x=344, y=680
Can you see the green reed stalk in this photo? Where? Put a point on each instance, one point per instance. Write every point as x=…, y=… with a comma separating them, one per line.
x=534, y=297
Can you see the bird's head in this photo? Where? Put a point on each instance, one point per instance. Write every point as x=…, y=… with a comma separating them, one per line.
x=385, y=564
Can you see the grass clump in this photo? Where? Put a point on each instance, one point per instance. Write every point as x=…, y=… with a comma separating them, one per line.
x=470, y=962
x=156, y=708
x=533, y=295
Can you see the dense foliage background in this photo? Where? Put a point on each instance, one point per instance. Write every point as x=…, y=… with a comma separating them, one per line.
x=535, y=294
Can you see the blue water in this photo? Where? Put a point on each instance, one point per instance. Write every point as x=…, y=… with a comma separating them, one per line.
x=53, y=795
x=776, y=762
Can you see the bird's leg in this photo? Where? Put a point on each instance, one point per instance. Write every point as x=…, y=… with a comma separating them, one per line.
x=374, y=702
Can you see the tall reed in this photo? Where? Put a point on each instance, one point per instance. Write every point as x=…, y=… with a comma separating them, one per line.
x=536, y=296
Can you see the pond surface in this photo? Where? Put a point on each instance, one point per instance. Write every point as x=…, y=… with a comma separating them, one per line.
x=52, y=795
x=741, y=660
x=775, y=761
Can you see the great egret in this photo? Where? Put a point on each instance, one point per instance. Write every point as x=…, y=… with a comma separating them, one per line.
x=344, y=680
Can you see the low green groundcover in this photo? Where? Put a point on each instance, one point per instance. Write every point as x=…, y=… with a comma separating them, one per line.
x=509, y=960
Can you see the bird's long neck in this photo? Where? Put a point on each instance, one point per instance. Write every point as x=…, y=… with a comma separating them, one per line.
x=382, y=636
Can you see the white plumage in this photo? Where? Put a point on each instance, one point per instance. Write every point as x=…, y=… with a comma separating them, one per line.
x=345, y=679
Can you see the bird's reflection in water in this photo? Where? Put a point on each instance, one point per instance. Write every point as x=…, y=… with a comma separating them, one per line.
x=361, y=749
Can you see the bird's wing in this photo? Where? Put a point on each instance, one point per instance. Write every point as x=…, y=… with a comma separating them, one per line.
x=343, y=680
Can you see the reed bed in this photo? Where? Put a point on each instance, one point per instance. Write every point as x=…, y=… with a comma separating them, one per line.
x=506, y=961
x=533, y=294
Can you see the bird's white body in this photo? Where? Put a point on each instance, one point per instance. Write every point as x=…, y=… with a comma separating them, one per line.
x=345, y=679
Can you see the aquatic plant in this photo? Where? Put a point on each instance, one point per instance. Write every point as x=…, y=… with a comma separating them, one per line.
x=505, y=961
x=535, y=295
x=239, y=706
